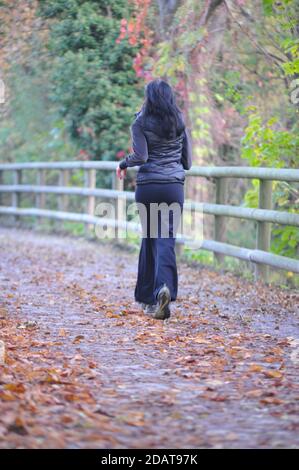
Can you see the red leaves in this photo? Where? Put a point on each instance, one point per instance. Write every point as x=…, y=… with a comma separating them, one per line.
x=120, y=154
x=138, y=34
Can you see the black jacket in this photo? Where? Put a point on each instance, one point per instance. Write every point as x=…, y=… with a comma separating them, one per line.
x=160, y=159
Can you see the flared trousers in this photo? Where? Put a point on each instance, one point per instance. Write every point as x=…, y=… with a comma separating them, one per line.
x=160, y=207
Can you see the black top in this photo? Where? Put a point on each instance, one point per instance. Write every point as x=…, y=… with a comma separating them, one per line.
x=159, y=159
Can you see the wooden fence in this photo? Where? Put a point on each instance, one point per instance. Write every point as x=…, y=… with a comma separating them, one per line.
x=264, y=215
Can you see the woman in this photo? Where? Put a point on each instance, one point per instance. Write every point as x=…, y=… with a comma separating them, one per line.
x=162, y=149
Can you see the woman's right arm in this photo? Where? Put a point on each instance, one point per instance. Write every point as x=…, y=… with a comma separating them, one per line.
x=187, y=151
x=140, y=150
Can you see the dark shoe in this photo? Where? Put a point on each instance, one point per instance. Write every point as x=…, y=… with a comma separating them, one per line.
x=162, y=310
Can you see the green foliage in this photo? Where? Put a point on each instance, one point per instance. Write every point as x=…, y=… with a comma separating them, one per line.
x=231, y=89
x=251, y=198
x=33, y=129
x=75, y=228
x=201, y=256
x=265, y=145
x=94, y=83
x=268, y=143
x=286, y=240
x=285, y=15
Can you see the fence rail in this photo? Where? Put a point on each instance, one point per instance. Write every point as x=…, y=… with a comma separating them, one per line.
x=264, y=215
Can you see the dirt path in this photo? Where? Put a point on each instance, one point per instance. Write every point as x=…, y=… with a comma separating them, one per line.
x=94, y=371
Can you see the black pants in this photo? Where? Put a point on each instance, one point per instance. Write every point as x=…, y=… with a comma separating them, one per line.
x=157, y=258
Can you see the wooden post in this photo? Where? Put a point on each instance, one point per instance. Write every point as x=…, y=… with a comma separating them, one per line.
x=1, y=182
x=40, y=198
x=63, y=198
x=16, y=196
x=179, y=249
x=263, y=239
x=220, y=223
x=120, y=206
x=90, y=182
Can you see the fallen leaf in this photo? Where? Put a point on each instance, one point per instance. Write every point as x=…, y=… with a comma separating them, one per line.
x=3, y=313
x=255, y=368
x=271, y=401
x=272, y=374
x=78, y=339
x=27, y=325
x=18, y=388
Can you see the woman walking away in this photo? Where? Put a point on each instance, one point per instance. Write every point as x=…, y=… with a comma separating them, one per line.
x=162, y=149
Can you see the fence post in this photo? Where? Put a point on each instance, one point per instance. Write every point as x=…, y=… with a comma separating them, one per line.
x=1, y=182
x=63, y=198
x=40, y=198
x=263, y=239
x=220, y=223
x=16, y=197
x=90, y=183
x=179, y=249
x=120, y=207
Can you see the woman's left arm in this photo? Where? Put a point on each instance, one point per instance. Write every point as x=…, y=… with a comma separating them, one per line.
x=139, y=145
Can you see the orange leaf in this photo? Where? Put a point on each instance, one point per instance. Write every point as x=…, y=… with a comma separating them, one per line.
x=7, y=396
x=78, y=339
x=255, y=368
x=271, y=401
x=272, y=374
x=18, y=388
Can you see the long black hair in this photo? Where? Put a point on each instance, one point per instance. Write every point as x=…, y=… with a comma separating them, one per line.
x=160, y=112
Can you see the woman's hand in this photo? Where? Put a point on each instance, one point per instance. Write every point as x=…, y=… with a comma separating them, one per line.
x=121, y=174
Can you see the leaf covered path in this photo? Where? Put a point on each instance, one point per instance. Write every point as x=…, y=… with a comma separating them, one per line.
x=84, y=367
